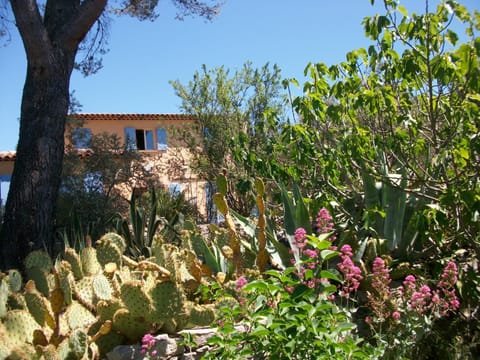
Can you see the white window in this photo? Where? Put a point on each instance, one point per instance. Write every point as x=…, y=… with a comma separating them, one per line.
x=142, y=139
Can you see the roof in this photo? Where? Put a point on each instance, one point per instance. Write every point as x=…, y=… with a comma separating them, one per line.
x=152, y=117
x=7, y=155
x=11, y=155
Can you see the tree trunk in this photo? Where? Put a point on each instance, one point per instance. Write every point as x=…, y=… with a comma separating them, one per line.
x=51, y=42
x=30, y=208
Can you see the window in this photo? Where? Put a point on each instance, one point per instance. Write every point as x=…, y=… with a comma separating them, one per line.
x=4, y=186
x=161, y=139
x=93, y=183
x=174, y=189
x=82, y=138
x=213, y=215
x=140, y=139
x=90, y=183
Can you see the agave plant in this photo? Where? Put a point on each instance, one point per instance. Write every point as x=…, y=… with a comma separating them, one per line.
x=140, y=228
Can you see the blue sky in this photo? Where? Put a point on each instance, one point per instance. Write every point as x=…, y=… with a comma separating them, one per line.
x=144, y=56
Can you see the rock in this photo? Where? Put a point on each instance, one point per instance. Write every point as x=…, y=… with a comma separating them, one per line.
x=169, y=348
x=165, y=347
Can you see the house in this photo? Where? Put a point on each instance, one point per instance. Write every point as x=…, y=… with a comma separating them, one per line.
x=153, y=135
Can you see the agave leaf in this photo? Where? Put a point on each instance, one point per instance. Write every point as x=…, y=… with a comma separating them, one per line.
x=302, y=217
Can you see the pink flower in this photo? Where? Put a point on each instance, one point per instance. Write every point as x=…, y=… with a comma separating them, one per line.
x=324, y=222
x=148, y=342
x=351, y=273
x=396, y=315
x=380, y=283
x=241, y=282
x=346, y=250
x=300, y=238
x=311, y=253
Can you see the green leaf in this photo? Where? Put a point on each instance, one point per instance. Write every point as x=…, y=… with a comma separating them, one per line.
x=299, y=291
x=302, y=217
x=329, y=275
x=402, y=10
x=328, y=254
x=319, y=242
x=209, y=257
x=222, y=184
x=288, y=211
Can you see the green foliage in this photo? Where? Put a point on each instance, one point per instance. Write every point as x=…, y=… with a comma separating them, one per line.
x=282, y=324
x=89, y=195
x=237, y=114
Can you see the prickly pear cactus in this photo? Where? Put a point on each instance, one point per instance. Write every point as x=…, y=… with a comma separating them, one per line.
x=129, y=325
x=201, y=315
x=19, y=327
x=136, y=300
x=38, y=306
x=3, y=297
x=72, y=257
x=14, y=280
x=108, y=252
x=102, y=289
x=90, y=264
x=79, y=317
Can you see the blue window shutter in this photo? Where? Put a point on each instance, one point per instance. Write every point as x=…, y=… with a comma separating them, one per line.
x=130, y=138
x=82, y=138
x=149, y=140
x=161, y=139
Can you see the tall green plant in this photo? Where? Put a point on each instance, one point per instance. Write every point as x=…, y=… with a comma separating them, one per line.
x=140, y=228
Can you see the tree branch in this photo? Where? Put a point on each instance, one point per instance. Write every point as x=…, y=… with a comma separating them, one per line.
x=30, y=25
x=77, y=28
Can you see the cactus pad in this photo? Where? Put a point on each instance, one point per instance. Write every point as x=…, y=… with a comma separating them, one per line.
x=79, y=317
x=71, y=256
x=20, y=326
x=90, y=264
x=14, y=280
x=132, y=327
x=108, y=252
x=115, y=239
x=135, y=299
x=40, y=259
x=102, y=288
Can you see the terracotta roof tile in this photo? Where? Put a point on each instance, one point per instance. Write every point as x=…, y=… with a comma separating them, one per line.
x=11, y=155
x=153, y=117
x=7, y=155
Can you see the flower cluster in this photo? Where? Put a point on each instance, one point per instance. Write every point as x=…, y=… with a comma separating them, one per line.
x=420, y=300
x=379, y=299
x=310, y=257
x=412, y=298
x=241, y=282
x=446, y=287
x=351, y=273
x=148, y=342
x=324, y=223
